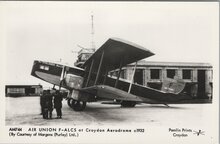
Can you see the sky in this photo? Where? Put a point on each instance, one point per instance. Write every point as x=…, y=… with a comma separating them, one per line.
x=50, y=31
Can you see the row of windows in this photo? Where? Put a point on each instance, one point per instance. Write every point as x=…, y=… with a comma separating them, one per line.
x=43, y=67
x=156, y=73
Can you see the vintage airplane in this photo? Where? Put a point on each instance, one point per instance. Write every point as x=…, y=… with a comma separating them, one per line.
x=93, y=81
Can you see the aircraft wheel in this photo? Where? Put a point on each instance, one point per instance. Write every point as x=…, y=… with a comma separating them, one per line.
x=78, y=105
x=128, y=104
x=69, y=102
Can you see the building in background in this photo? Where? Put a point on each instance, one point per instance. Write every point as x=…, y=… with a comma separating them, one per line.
x=23, y=90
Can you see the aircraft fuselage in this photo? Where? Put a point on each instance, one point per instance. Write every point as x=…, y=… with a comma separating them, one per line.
x=57, y=74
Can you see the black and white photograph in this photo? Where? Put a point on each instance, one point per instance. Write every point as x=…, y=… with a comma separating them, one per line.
x=109, y=72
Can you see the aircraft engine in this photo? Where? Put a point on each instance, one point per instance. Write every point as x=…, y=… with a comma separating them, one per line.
x=74, y=98
x=73, y=81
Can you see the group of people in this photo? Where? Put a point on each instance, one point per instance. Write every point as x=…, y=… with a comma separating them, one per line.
x=50, y=100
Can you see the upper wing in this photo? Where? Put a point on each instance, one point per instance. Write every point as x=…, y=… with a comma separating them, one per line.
x=117, y=52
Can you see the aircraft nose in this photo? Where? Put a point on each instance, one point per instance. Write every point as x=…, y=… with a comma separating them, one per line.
x=34, y=67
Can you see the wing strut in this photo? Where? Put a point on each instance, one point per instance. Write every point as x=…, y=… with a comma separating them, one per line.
x=106, y=74
x=90, y=71
x=119, y=73
x=62, y=77
x=132, y=79
x=100, y=64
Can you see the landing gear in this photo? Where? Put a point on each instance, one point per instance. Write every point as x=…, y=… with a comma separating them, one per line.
x=76, y=105
x=69, y=102
x=128, y=104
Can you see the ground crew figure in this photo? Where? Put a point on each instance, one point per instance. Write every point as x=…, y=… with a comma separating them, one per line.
x=42, y=96
x=46, y=106
x=50, y=105
x=58, y=103
x=43, y=103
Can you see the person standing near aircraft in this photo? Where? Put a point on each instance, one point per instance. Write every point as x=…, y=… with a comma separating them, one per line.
x=50, y=104
x=45, y=103
x=58, y=104
x=42, y=102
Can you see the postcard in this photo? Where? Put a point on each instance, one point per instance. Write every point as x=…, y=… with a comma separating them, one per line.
x=109, y=72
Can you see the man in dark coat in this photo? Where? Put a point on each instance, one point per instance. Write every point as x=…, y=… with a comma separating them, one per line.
x=44, y=104
x=50, y=104
x=58, y=103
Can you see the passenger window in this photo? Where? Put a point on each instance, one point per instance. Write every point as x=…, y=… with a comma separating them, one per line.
x=41, y=67
x=46, y=68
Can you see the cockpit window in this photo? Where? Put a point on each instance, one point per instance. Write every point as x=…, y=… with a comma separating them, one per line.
x=44, y=67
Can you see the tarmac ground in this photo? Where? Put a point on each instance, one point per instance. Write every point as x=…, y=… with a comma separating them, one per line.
x=26, y=111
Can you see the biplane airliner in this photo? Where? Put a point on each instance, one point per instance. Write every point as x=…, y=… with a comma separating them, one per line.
x=93, y=81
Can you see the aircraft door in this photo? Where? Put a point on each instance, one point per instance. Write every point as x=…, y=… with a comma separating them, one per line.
x=201, y=83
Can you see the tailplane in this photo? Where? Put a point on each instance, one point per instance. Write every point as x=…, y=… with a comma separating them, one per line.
x=175, y=85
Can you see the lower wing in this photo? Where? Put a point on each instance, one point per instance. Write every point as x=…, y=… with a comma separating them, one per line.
x=138, y=93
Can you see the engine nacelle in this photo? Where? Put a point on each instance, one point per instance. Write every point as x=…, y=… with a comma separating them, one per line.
x=73, y=81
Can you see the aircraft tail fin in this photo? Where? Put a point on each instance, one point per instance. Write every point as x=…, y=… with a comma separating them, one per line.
x=175, y=85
